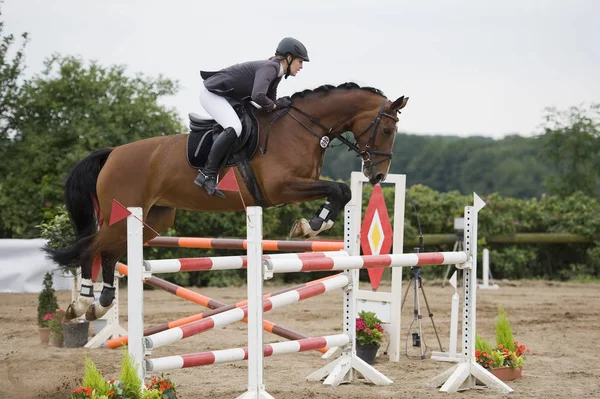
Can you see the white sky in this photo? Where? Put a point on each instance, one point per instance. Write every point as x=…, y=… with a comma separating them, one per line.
x=469, y=66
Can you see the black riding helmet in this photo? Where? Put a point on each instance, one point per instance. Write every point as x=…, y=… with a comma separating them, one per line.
x=292, y=46
x=289, y=45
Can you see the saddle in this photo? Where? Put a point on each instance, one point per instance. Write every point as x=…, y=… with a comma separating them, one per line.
x=203, y=132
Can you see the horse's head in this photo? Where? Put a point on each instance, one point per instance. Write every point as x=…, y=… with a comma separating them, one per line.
x=364, y=111
x=374, y=130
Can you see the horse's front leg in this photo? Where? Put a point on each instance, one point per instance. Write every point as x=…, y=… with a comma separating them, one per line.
x=337, y=194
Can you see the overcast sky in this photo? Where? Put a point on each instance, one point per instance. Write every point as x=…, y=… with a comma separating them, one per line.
x=470, y=67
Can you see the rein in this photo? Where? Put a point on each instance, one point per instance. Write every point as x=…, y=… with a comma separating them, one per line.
x=368, y=152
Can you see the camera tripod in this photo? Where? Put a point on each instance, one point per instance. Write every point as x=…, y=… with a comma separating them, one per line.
x=417, y=336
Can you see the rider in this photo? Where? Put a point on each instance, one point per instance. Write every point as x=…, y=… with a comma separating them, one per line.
x=255, y=79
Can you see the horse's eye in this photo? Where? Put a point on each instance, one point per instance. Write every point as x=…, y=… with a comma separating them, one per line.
x=387, y=131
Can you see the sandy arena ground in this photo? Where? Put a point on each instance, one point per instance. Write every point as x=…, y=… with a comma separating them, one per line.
x=559, y=322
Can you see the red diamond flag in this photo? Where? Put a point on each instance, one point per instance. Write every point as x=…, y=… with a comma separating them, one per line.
x=117, y=213
x=229, y=182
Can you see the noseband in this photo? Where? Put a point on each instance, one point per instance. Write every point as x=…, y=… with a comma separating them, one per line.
x=367, y=152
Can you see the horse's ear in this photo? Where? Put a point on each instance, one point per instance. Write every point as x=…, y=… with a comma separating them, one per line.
x=399, y=103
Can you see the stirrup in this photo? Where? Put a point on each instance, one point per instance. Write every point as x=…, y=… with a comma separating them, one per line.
x=209, y=183
x=201, y=179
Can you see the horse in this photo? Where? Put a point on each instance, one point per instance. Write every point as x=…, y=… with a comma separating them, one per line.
x=154, y=174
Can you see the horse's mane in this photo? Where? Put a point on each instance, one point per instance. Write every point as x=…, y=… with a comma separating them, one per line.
x=327, y=88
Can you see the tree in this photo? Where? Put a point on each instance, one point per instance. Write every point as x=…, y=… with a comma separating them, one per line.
x=63, y=114
x=571, y=142
x=11, y=69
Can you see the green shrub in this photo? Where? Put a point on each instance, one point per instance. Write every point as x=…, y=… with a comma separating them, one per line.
x=47, y=302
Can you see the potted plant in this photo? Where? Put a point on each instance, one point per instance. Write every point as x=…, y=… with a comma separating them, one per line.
x=76, y=333
x=369, y=335
x=56, y=328
x=506, y=359
x=128, y=386
x=47, y=305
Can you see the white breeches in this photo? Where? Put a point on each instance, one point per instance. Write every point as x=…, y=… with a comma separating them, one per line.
x=220, y=110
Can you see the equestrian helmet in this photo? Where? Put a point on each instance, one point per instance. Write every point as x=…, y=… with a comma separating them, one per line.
x=292, y=46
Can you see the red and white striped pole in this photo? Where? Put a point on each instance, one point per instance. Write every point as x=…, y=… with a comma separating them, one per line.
x=231, y=316
x=161, y=364
x=223, y=262
x=364, y=262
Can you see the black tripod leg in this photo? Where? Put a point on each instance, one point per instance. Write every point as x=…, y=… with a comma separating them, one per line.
x=430, y=314
x=405, y=294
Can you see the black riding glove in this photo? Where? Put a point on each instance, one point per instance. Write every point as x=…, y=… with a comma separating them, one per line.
x=283, y=102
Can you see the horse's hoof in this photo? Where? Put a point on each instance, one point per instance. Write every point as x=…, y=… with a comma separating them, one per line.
x=299, y=229
x=71, y=314
x=79, y=307
x=96, y=311
x=302, y=229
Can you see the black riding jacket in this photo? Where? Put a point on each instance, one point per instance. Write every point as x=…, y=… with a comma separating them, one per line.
x=255, y=79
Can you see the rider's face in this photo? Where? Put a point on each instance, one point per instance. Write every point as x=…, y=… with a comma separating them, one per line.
x=296, y=66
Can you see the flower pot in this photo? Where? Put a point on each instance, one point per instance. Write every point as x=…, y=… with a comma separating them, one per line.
x=367, y=352
x=44, y=335
x=76, y=334
x=507, y=373
x=56, y=341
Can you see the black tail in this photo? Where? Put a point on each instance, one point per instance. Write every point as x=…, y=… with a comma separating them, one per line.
x=80, y=194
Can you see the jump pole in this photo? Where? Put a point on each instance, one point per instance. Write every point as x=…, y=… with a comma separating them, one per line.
x=215, y=307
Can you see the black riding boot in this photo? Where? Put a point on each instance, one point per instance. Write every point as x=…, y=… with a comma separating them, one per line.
x=207, y=177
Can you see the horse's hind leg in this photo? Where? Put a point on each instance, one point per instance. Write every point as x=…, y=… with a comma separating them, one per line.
x=160, y=219
x=107, y=296
x=86, y=292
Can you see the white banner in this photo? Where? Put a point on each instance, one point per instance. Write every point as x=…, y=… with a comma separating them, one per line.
x=23, y=265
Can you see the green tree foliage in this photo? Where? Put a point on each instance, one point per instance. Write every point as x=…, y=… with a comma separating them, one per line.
x=61, y=115
x=11, y=69
x=571, y=143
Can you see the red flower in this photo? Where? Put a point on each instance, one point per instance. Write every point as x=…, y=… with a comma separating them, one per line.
x=48, y=317
x=360, y=324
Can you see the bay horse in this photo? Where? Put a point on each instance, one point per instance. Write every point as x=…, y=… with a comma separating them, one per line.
x=154, y=174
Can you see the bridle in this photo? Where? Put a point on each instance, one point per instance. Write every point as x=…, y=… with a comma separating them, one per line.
x=367, y=152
